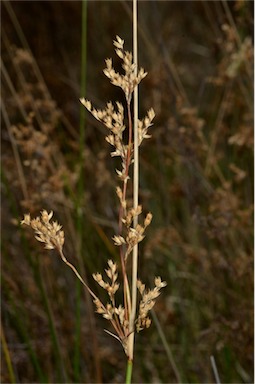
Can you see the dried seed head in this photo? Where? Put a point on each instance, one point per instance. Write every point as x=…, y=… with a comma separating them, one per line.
x=148, y=219
x=147, y=302
x=143, y=126
x=45, y=231
x=140, y=286
x=86, y=103
x=159, y=283
x=46, y=216
x=119, y=43
x=26, y=220
x=118, y=240
x=99, y=306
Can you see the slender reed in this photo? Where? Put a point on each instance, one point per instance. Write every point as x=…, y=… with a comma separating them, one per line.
x=80, y=218
x=6, y=354
x=135, y=201
x=215, y=369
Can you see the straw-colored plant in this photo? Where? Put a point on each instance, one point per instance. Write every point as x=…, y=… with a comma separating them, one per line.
x=129, y=316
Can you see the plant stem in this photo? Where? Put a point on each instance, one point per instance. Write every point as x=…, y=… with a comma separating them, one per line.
x=80, y=219
x=166, y=346
x=76, y=273
x=135, y=192
x=122, y=212
x=7, y=357
x=129, y=371
x=215, y=370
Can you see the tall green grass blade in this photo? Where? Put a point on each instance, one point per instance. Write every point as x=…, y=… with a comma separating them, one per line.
x=6, y=354
x=80, y=217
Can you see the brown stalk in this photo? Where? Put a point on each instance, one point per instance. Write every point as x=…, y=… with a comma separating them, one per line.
x=127, y=302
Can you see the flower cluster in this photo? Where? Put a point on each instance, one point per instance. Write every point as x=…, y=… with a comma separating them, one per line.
x=118, y=315
x=113, y=117
x=130, y=79
x=147, y=302
x=114, y=121
x=134, y=235
x=112, y=275
x=46, y=232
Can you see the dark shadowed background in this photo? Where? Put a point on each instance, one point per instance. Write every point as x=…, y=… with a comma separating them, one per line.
x=196, y=177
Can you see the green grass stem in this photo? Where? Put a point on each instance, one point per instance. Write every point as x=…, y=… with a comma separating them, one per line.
x=6, y=354
x=80, y=217
x=129, y=371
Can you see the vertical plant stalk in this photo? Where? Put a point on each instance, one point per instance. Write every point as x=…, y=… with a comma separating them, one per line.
x=80, y=221
x=129, y=371
x=135, y=205
x=122, y=212
x=6, y=354
x=167, y=347
x=215, y=370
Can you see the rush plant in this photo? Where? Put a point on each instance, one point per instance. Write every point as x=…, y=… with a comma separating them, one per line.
x=125, y=134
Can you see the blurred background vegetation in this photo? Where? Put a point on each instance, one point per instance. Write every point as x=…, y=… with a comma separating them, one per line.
x=196, y=179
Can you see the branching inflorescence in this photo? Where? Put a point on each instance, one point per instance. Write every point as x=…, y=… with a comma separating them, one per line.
x=129, y=235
